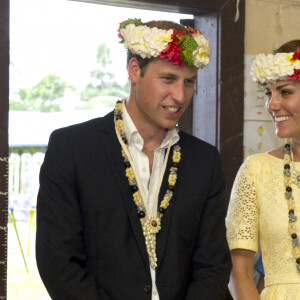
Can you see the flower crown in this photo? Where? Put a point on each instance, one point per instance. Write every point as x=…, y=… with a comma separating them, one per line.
x=181, y=47
x=268, y=68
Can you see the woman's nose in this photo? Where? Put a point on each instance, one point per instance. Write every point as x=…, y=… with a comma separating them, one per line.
x=273, y=103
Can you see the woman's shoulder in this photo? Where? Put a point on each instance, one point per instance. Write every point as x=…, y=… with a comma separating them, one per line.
x=262, y=164
x=271, y=156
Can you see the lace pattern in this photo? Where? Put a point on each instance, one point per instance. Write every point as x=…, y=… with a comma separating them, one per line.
x=242, y=218
x=258, y=211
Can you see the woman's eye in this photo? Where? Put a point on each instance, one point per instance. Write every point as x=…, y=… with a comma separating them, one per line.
x=285, y=92
x=268, y=94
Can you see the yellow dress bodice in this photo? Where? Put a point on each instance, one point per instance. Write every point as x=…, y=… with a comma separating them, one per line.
x=258, y=214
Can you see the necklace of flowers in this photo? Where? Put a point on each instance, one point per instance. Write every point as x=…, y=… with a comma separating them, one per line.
x=295, y=173
x=153, y=225
x=291, y=203
x=181, y=47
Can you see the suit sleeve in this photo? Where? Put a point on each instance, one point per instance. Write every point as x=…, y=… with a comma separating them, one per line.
x=211, y=259
x=60, y=253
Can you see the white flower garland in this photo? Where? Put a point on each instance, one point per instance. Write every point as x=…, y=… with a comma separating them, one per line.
x=202, y=54
x=149, y=42
x=270, y=68
x=145, y=41
x=152, y=225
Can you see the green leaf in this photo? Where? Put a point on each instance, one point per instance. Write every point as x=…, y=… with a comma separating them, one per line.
x=12, y=217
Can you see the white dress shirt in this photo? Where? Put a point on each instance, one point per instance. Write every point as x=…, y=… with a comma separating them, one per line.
x=141, y=162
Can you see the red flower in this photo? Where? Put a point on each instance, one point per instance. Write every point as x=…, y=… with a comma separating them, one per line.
x=295, y=76
x=119, y=34
x=296, y=54
x=173, y=50
x=193, y=31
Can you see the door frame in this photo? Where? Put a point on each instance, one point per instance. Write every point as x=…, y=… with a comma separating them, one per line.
x=218, y=119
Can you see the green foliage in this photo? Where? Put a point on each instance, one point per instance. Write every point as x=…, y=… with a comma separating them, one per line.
x=31, y=150
x=41, y=97
x=103, y=55
x=12, y=219
x=135, y=21
x=104, y=81
x=189, y=46
x=114, y=89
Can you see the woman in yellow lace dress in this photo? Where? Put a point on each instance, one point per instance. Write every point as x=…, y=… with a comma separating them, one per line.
x=265, y=201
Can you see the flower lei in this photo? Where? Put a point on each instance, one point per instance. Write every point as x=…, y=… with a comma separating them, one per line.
x=181, y=47
x=281, y=66
x=291, y=203
x=153, y=225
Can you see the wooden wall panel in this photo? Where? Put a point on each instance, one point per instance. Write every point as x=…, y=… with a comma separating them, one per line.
x=4, y=88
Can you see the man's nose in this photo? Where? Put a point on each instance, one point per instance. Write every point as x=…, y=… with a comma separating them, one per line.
x=179, y=92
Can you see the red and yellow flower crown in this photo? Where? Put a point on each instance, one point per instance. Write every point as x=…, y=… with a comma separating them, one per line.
x=268, y=68
x=177, y=46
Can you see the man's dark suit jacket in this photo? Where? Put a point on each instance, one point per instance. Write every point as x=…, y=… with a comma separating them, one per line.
x=90, y=243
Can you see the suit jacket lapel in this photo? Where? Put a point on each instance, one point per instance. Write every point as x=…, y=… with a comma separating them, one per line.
x=112, y=148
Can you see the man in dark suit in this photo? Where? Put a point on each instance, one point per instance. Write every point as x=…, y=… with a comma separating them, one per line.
x=129, y=207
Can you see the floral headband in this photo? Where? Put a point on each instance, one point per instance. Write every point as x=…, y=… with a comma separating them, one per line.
x=177, y=46
x=268, y=68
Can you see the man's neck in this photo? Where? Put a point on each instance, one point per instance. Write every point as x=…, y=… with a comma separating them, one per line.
x=151, y=143
x=152, y=135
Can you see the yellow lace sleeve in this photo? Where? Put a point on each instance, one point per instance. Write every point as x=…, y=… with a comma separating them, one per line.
x=242, y=215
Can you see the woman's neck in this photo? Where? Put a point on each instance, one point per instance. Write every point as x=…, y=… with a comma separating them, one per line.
x=295, y=144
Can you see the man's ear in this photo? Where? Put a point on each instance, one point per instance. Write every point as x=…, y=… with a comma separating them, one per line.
x=134, y=70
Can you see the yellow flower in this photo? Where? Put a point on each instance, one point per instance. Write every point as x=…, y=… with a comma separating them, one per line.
x=137, y=198
x=291, y=204
x=129, y=173
x=167, y=198
x=172, y=179
x=287, y=181
x=153, y=224
x=164, y=204
x=120, y=125
x=292, y=228
x=202, y=53
x=296, y=251
x=118, y=106
x=176, y=157
x=287, y=158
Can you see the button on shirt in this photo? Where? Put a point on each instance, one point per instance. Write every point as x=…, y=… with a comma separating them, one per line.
x=149, y=181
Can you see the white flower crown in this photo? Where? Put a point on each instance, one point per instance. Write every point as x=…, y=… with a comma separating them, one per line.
x=268, y=68
x=185, y=47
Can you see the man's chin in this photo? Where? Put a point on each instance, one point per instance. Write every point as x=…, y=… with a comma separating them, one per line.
x=170, y=127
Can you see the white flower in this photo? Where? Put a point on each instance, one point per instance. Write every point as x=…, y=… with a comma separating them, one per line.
x=270, y=68
x=202, y=53
x=145, y=41
x=150, y=42
x=153, y=224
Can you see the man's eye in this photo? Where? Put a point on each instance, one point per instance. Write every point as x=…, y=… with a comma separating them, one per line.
x=190, y=81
